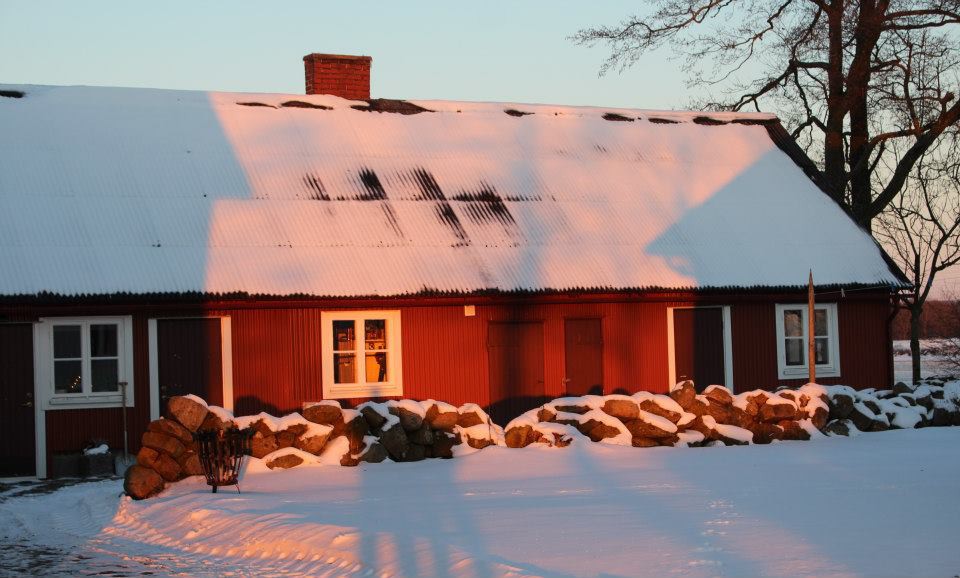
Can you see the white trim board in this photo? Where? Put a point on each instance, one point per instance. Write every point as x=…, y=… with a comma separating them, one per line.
x=727, y=345
x=39, y=413
x=226, y=359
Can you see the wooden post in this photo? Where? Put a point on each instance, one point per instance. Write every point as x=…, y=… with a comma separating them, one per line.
x=811, y=338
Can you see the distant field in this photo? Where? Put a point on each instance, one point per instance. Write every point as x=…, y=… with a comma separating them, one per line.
x=931, y=363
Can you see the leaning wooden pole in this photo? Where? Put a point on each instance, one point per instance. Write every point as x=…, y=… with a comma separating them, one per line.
x=811, y=337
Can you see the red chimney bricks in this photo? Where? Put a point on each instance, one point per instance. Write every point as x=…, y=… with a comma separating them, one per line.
x=338, y=74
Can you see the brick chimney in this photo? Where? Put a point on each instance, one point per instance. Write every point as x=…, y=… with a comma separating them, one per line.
x=338, y=74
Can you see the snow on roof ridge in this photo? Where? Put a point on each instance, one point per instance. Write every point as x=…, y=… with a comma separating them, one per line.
x=276, y=99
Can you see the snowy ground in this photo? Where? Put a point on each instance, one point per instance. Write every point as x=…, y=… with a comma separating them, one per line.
x=881, y=504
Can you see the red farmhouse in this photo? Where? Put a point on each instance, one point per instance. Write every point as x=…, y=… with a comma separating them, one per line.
x=266, y=250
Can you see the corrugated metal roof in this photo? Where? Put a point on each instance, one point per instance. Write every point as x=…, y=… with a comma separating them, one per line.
x=108, y=190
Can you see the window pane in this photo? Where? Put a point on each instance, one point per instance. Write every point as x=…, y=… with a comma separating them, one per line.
x=820, y=322
x=376, y=367
x=66, y=341
x=822, y=346
x=343, y=336
x=104, y=374
x=344, y=368
x=794, y=351
x=66, y=377
x=103, y=341
x=375, y=331
x=793, y=322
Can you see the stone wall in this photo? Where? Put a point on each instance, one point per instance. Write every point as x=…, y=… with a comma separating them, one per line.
x=408, y=430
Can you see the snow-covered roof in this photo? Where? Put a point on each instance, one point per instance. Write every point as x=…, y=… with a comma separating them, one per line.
x=128, y=190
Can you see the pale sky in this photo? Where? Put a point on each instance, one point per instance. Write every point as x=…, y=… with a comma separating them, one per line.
x=504, y=51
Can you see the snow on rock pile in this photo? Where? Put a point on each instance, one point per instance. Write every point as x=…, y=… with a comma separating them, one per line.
x=324, y=434
x=407, y=430
x=718, y=417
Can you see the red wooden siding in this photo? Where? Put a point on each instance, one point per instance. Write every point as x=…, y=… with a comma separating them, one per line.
x=864, y=344
x=277, y=355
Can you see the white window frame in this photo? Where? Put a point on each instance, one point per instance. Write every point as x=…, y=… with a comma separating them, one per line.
x=48, y=398
x=831, y=369
x=393, y=387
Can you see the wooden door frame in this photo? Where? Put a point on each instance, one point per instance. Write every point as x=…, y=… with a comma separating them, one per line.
x=727, y=345
x=226, y=358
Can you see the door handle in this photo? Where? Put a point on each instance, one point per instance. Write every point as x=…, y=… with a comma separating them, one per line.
x=29, y=402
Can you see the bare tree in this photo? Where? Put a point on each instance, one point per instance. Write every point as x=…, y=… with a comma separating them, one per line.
x=922, y=229
x=853, y=80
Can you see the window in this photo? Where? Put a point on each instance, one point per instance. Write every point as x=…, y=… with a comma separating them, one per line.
x=81, y=361
x=792, y=341
x=361, y=354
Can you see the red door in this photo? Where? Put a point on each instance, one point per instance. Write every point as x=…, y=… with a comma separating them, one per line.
x=17, y=449
x=515, y=353
x=190, y=359
x=583, y=351
x=698, y=345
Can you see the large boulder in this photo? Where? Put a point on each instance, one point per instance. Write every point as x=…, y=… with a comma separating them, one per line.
x=422, y=436
x=161, y=462
x=640, y=442
x=755, y=401
x=840, y=427
x=324, y=414
x=190, y=464
x=261, y=445
x=640, y=428
x=284, y=462
x=764, y=433
x=163, y=443
x=841, y=406
x=189, y=412
x=172, y=429
x=723, y=413
x=577, y=408
x=651, y=406
x=441, y=420
x=443, y=444
x=521, y=436
x=718, y=394
x=312, y=443
x=394, y=440
x=469, y=419
x=415, y=453
x=792, y=431
x=374, y=453
x=819, y=417
x=684, y=394
x=866, y=420
x=213, y=421
x=141, y=482
x=598, y=430
x=286, y=438
x=354, y=430
x=374, y=418
x=409, y=420
x=621, y=408
x=776, y=410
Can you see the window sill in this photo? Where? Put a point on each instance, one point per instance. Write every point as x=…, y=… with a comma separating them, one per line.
x=391, y=390
x=78, y=401
x=803, y=373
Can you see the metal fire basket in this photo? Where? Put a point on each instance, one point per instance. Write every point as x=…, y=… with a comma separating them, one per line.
x=221, y=455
